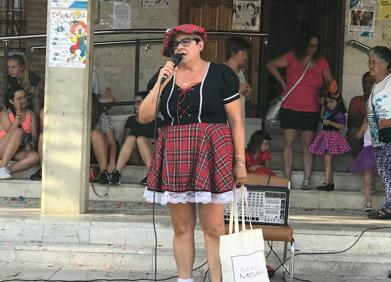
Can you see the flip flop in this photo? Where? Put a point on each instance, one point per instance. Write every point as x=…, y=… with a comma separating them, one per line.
x=380, y=214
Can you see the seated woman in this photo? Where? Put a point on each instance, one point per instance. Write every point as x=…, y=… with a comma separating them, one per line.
x=103, y=141
x=18, y=134
x=20, y=75
x=258, y=156
x=137, y=136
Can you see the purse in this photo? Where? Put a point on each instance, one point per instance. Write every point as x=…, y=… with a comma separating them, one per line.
x=242, y=254
x=273, y=111
x=91, y=180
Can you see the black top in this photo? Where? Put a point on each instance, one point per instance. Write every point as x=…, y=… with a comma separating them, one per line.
x=138, y=129
x=203, y=102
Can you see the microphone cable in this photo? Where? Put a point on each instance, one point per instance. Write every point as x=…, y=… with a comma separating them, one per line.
x=155, y=129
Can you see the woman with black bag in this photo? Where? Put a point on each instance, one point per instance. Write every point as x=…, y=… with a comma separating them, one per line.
x=379, y=118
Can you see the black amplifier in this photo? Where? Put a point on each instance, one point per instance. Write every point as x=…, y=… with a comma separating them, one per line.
x=267, y=205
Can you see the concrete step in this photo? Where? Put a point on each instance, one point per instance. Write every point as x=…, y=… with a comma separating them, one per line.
x=20, y=190
x=123, y=241
x=134, y=173
x=84, y=273
x=341, y=163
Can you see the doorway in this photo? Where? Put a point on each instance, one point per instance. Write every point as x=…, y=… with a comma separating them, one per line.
x=285, y=21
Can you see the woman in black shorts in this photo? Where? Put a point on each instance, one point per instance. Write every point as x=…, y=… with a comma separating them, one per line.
x=300, y=111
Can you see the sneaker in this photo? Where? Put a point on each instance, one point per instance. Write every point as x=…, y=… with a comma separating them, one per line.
x=144, y=181
x=37, y=175
x=5, y=173
x=326, y=187
x=103, y=177
x=115, y=177
x=368, y=207
x=306, y=185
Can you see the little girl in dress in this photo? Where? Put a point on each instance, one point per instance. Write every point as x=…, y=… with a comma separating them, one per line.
x=330, y=142
x=258, y=156
x=365, y=163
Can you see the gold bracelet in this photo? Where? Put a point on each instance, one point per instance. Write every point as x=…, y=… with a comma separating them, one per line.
x=240, y=156
x=240, y=163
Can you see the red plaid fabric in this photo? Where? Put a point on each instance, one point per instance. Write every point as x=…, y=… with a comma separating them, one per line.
x=184, y=28
x=193, y=157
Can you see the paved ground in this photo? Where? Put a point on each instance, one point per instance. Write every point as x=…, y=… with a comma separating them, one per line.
x=12, y=272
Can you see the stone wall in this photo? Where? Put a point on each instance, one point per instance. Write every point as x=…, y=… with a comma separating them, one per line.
x=115, y=64
x=355, y=61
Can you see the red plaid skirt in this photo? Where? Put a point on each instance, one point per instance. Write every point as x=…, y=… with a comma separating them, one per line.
x=192, y=157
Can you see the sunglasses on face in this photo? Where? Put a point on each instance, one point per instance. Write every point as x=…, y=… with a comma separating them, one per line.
x=185, y=42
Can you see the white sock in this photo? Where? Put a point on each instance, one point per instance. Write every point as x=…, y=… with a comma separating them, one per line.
x=185, y=280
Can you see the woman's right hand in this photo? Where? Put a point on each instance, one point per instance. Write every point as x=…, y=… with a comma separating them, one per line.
x=166, y=72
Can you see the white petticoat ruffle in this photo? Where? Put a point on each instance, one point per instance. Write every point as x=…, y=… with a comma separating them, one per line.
x=188, y=197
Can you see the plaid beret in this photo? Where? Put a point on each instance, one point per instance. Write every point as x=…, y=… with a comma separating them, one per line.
x=184, y=28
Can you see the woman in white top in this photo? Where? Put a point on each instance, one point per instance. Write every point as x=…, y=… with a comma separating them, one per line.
x=236, y=55
x=379, y=118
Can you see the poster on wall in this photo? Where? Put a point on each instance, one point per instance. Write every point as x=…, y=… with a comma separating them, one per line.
x=246, y=15
x=68, y=38
x=154, y=3
x=362, y=18
x=385, y=10
x=75, y=4
x=121, y=15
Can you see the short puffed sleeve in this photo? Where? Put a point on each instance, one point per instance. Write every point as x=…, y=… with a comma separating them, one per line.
x=230, y=84
x=323, y=64
x=290, y=57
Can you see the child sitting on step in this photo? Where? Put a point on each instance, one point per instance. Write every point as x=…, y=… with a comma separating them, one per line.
x=329, y=141
x=365, y=163
x=258, y=156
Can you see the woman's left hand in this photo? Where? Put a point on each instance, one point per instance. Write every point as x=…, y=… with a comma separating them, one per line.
x=240, y=174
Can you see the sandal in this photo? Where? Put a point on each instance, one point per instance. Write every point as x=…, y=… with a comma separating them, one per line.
x=306, y=185
x=380, y=214
x=368, y=207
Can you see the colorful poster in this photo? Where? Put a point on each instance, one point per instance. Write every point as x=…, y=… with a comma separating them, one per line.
x=68, y=38
x=246, y=15
x=385, y=10
x=362, y=19
x=154, y=3
x=69, y=4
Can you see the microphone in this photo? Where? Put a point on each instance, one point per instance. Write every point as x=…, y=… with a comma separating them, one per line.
x=176, y=59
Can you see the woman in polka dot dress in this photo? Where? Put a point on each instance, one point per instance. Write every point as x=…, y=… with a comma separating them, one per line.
x=330, y=142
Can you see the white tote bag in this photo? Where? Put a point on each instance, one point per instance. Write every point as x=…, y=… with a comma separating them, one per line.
x=242, y=254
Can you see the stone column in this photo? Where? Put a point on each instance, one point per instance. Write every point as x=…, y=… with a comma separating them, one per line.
x=66, y=145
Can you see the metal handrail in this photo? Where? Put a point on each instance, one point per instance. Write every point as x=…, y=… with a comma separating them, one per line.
x=108, y=43
x=134, y=31
x=359, y=45
x=265, y=38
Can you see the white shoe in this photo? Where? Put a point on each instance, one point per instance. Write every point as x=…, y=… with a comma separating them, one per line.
x=5, y=173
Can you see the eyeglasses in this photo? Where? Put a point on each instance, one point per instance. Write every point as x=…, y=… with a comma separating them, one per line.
x=373, y=62
x=185, y=42
x=313, y=45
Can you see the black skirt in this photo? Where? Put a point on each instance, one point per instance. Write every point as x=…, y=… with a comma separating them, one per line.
x=290, y=119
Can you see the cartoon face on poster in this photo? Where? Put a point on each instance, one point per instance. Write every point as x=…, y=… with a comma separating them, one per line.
x=68, y=38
